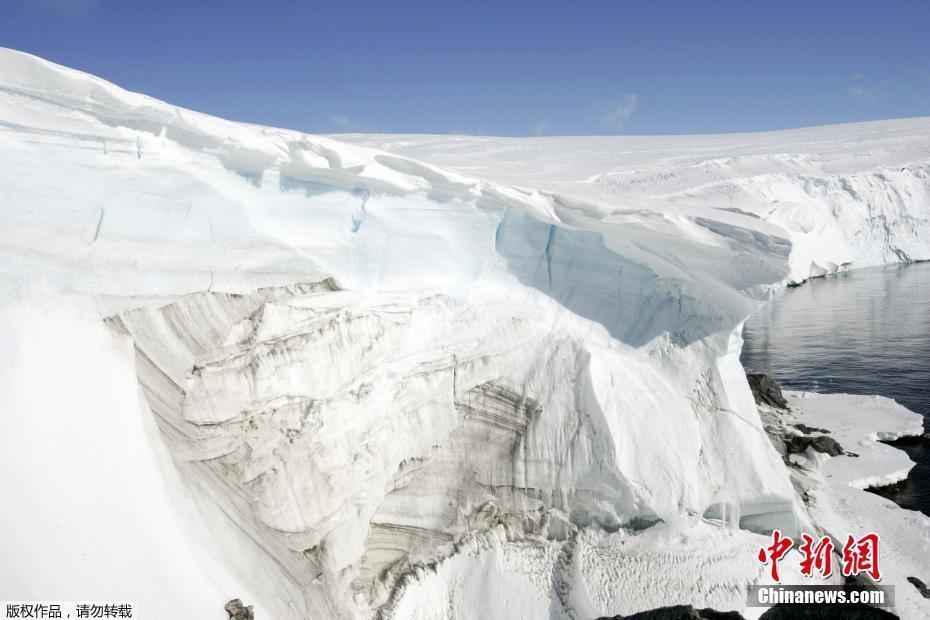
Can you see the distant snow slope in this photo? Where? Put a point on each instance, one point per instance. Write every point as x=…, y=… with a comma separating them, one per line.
x=844, y=194
x=371, y=364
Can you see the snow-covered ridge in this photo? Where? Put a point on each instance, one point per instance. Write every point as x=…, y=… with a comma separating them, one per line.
x=369, y=361
x=845, y=195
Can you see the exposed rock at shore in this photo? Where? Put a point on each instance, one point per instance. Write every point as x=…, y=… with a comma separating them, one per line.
x=777, y=612
x=238, y=611
x=679, y=612
x=776, y=419
x=807, y=430
x=765, y=390
x=826, y=611
x=797, y=444
x=920, y=585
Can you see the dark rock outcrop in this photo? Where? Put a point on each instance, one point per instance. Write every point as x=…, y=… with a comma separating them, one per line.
x=920, y=585
x=807, y=430
x=679, y=612
x=826, y=612
x=776, y=612
x=765, y=390
x=238, y=611
x=799, y=443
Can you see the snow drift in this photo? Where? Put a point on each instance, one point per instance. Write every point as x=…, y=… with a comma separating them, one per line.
x=370, y=363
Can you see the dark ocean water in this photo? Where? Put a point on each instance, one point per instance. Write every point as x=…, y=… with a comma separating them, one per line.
x=866, y=331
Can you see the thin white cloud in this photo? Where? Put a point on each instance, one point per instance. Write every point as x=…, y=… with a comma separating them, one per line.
x=344, y=123
x=616, y=114
x=540, y=128
x=465, y=132
x=861, y=92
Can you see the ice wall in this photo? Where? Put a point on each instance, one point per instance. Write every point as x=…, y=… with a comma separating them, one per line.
x=844, y=195
x=363, y=359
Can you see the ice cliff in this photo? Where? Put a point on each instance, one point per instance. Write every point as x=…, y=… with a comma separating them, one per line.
x=397, y=370
x=844, y=195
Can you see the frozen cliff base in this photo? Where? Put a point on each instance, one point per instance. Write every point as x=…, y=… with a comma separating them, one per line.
x=94, y=507
x=697, y=563
x=369, y=432
x=362, y=364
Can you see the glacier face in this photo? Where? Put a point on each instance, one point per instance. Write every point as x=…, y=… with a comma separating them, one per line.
x=843, y=194
x=404, y=366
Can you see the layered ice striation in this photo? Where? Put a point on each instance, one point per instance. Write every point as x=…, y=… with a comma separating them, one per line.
x=387, y=372
x=359, y=430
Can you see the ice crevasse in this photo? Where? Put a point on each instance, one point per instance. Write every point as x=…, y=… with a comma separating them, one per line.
x=379, y=362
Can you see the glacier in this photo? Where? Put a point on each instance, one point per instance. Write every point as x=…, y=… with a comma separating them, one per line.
x=392, y=376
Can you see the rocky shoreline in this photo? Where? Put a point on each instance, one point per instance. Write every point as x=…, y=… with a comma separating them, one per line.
x=842, y=455
x=788, y=437
x=776, y=612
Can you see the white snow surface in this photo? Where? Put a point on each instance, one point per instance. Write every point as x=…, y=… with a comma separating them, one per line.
x=837, y=502
x=372, y=356
x=845, y=195
x=95, y=509
x=860, y=424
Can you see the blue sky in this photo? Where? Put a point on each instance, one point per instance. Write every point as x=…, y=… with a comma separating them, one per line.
x=501, y=68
